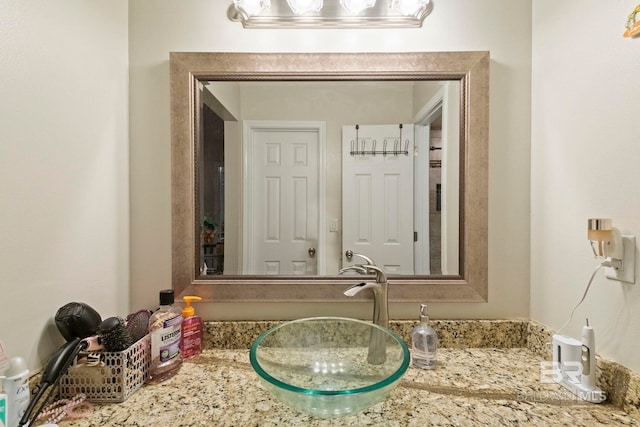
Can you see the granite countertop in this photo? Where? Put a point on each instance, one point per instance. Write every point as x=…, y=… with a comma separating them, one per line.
x=474, y=386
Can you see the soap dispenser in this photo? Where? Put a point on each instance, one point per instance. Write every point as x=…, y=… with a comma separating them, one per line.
x=191, y=344
x=424, y=342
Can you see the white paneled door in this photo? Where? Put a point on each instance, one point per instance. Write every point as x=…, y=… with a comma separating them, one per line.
x=377, y=195
x=283, y=188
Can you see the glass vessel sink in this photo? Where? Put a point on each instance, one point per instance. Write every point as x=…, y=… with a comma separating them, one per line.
x=323, y=366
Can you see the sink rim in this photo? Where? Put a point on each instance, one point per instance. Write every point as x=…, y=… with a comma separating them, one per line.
x=406, y=359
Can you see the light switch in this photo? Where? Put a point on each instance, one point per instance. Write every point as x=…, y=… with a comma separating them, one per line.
x=333, y=224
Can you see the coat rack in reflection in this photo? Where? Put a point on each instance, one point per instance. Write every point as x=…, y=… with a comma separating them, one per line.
x=359, y=146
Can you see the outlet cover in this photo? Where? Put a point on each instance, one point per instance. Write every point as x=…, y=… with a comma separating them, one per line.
x=627, y=273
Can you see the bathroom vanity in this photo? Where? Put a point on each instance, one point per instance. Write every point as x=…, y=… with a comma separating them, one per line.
x=489, y=374
x=471, y=387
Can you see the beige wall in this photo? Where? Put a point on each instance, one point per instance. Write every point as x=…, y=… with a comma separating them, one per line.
x=503, y=27
x=584, y=163
x=63, y=166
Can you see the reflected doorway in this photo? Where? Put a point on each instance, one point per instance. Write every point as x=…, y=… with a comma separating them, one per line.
x=212, y=193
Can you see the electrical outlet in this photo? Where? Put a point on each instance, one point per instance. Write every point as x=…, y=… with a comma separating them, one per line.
x=627, y=273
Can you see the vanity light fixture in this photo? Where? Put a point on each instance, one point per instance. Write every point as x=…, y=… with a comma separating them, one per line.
x=617, y=252
x=329, y=13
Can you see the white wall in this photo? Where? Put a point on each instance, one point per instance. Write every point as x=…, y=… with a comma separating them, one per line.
x=584, y=163
x=63, y=166
x=503, y=27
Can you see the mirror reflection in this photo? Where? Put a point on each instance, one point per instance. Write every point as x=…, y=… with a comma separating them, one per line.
x=292, y=176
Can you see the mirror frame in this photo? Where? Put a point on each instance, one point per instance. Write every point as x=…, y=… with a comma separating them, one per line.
x=187, y=69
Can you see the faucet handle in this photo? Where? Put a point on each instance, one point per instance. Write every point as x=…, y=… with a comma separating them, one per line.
x=364, y=257
x=357, y=268
x=380, y=274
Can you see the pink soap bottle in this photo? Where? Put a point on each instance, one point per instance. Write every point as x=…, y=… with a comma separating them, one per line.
x=191, y=341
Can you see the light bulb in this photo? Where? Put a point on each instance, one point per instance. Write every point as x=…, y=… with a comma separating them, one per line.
x=252, y=7
x=300, y=7
x=356, y=6
x=409, y=7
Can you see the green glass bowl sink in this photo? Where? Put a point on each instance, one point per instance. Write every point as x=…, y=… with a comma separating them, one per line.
x=329, y=366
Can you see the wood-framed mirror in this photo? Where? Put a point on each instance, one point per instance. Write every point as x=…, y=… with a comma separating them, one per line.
x=195, y=80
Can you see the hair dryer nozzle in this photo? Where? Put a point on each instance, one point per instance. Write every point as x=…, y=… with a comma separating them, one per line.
x=77, y=320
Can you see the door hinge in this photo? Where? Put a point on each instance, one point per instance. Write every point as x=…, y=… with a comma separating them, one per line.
x=415, y=236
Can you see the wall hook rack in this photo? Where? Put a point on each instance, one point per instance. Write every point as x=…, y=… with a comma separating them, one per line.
x=359, y=145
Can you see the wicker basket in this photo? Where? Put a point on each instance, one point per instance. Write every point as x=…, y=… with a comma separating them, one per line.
x=119, y=375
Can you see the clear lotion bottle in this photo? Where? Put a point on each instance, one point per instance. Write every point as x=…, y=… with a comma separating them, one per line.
x=424, y=342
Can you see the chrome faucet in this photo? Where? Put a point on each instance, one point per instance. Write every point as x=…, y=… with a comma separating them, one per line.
x=377, y=348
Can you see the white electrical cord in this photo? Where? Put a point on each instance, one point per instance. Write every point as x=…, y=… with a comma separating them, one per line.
x=605, y=263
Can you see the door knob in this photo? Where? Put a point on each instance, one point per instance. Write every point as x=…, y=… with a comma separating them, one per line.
x=312, y=251
x=349, y=254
